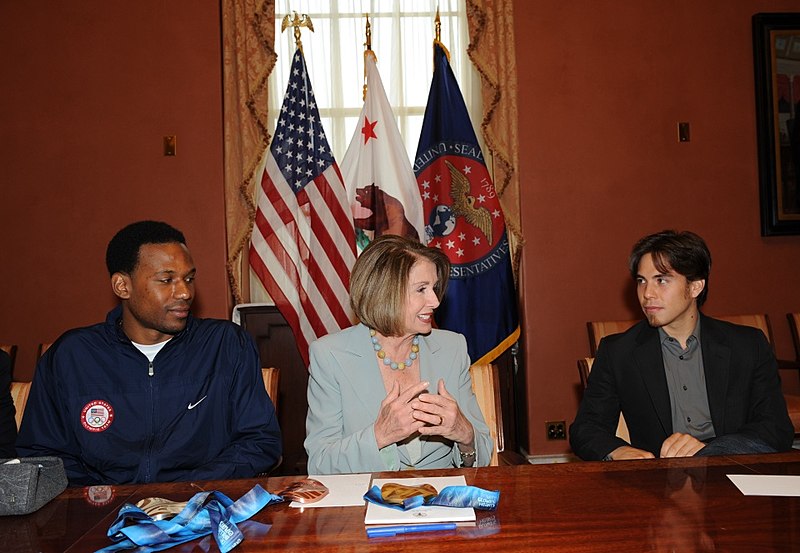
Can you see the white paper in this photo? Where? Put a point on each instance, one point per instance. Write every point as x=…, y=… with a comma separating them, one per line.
x=345, y=490
x=770, y=485
x=378, y=514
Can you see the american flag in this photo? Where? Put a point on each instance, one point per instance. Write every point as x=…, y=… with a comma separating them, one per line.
x=303, y=244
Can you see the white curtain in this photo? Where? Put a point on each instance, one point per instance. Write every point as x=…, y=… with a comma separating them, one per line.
x=402, y=37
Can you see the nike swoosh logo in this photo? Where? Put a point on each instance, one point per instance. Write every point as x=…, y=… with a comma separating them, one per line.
x=193, y=405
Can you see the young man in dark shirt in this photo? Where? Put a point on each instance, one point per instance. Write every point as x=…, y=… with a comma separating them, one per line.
x=687, y=384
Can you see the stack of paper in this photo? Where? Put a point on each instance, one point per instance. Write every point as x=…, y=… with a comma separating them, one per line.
x=782, y=485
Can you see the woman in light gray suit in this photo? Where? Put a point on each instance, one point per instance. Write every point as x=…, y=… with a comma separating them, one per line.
x=391, y=393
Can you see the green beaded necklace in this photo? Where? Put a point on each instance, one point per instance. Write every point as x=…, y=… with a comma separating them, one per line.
x=376, y=345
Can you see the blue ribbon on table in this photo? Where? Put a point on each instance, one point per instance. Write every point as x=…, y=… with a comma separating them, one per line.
x=206, y=513
x=451, y=496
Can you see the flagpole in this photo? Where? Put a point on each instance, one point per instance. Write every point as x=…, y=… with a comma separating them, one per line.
x=437, y=25
x=465, y=220
x=296, y=22
x=367, y=52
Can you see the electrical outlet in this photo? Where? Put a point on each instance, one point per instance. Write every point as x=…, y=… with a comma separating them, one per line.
x=556, y=430
x=170, y=144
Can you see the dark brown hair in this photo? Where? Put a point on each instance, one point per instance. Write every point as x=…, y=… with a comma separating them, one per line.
x=683, y=252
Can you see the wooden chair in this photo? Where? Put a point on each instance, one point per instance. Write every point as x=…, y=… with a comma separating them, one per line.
x=761, y=322
x=600, y=329
x=43, y=347
x=19, y=395
x=584, y=368
x=11, y=350
x=271, y=376
x=794, y=326
x=758, y=320
x=486, y=386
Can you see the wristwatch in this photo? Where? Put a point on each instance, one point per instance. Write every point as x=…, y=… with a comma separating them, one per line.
x=467, y=458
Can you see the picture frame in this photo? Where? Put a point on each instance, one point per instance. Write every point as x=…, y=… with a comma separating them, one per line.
x=776, y=41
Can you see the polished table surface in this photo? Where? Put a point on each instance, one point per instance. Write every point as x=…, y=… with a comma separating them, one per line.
x=649, y=505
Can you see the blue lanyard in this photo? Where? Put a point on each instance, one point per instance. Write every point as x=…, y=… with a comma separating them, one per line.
x=451, y=496
x=206, y=513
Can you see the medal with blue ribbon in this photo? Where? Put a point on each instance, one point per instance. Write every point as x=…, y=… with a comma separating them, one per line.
x=206, y=513
x=450, y=496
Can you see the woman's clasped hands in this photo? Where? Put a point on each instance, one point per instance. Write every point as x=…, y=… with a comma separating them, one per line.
x=415, y=410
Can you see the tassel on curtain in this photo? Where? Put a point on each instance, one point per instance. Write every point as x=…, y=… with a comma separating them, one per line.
x=491, y=49
x=248, y=37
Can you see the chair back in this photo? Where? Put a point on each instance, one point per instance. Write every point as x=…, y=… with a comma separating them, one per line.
x=794, y=326
x=584, y=368
x=757, y=320
x=19, y=395
x=271, y=376
x=11, y=350
x=600, y=329
x=43, y=347
x=486, y=386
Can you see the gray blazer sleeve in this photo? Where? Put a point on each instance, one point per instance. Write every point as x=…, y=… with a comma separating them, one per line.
x=332, y=448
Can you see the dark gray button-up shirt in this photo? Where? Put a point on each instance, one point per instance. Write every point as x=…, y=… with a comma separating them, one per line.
x=686, y=380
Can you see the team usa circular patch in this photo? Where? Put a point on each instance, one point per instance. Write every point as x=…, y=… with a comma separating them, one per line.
x=97, y=416
x=98, y=495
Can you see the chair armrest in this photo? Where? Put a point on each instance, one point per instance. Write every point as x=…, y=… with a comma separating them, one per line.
x=511, y=458
x=785, y=364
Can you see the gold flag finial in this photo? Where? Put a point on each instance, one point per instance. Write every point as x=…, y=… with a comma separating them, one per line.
x=368, y=44
x=438, y=36
x=367, y=52
x=297, y=21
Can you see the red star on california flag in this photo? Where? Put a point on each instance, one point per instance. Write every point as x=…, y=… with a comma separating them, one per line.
x=368, y=130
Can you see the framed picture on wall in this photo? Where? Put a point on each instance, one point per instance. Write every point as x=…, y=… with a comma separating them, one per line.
x=776, y=38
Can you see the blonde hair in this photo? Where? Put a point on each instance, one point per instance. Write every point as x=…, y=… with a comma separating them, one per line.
x=379, y=281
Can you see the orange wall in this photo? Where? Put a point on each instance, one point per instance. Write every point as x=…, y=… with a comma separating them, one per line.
x=90, y=88
x=602, y=87
x=88, y=91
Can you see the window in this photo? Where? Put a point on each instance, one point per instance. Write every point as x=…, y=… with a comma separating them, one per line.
x=402, y=39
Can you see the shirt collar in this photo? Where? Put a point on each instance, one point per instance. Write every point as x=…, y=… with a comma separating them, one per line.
x=695, y=335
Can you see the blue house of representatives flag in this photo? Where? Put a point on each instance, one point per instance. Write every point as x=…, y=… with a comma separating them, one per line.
x=464, y=219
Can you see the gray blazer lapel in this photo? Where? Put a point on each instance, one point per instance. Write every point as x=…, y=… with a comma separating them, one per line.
x=429, y=352
x=650, y=365
x=356, y=360
x=430, y=370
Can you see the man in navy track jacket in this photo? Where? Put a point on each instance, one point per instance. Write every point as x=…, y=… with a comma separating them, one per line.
x=152, y=394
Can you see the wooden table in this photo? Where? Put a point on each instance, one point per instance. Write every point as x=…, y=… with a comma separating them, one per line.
x=651, y=505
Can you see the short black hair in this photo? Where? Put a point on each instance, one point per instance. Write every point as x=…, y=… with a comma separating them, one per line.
x=122, y=254
x=683, y=252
